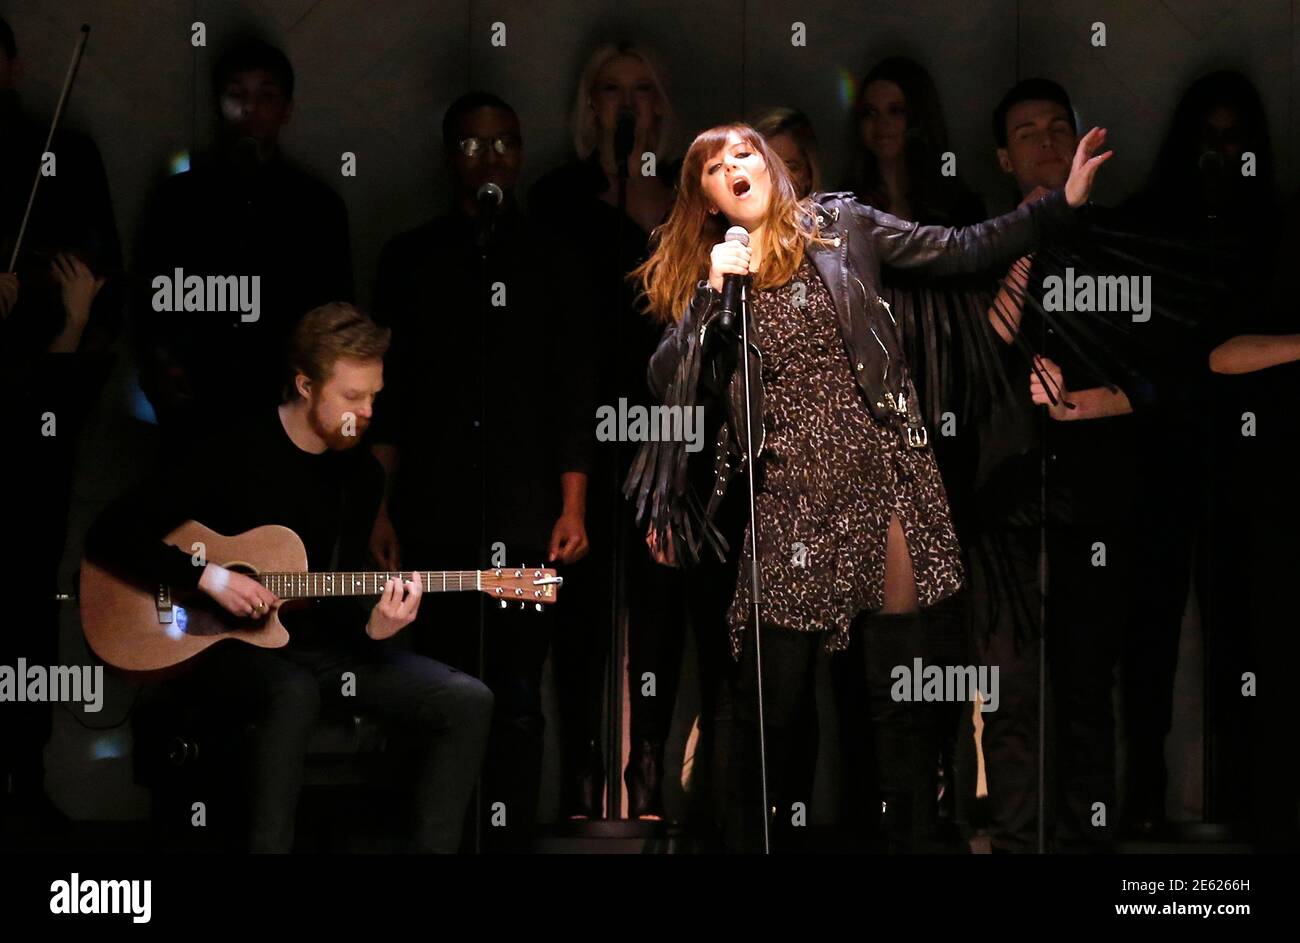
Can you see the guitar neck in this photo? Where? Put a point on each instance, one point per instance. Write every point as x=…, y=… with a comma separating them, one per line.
x=323, y=585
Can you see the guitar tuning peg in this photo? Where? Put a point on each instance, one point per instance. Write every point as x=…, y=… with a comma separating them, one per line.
x=539, y=606
x=504, y=604
x=523, y=605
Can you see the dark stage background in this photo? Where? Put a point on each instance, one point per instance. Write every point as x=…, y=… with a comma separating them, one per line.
x=375, y=77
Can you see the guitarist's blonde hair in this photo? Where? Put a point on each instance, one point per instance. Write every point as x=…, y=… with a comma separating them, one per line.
x=325, y=335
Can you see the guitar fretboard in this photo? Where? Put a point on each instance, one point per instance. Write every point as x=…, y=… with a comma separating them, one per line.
x=313, y=585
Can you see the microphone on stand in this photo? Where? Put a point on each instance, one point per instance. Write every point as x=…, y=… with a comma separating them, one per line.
x=624, y=139
x=731, y=287
x=489, y=201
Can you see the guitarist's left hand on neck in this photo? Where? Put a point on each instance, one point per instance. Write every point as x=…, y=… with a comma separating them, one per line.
x=396, y=608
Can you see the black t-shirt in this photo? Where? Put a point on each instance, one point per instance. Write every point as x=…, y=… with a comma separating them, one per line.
x=568, y=201
x=1090, y=464
x=522, y=367
x=610, y=244
x=276, y=223
x=245, y=476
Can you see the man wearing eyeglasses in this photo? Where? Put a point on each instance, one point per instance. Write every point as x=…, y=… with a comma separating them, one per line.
x=490, y=431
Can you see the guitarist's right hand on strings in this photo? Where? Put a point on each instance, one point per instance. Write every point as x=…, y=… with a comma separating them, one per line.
x=238, y=594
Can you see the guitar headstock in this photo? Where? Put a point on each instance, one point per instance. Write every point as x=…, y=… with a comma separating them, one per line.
x=521, y=584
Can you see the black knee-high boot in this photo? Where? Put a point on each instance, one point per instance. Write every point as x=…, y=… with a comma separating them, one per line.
x=898, y=726
x=908, y=733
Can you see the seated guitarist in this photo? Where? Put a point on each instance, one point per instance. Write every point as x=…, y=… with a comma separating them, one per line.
x=297, y=466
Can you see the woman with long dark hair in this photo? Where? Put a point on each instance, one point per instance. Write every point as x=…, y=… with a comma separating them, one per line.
x=851, y=511
x=901, y=139
x=901, y=136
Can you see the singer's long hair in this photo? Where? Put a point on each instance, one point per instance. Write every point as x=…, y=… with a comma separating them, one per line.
x=681, y=246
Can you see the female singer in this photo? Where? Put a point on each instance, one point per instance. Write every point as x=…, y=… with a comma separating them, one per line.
x=850, y=508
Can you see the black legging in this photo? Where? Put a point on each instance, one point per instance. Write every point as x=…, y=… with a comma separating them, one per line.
x=1085, y=612
x=906, y=734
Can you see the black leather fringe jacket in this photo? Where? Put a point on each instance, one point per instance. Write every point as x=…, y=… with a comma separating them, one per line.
x=693, y=362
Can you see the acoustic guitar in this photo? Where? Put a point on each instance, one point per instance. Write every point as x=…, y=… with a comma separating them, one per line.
x=144, y=629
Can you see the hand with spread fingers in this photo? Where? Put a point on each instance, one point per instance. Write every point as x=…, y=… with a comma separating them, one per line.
x=1084, y=170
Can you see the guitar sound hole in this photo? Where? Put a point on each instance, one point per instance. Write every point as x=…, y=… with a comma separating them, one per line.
x=197, y=613
x=200, y=615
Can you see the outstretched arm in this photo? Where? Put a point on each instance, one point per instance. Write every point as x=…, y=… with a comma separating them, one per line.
x=1247, y=353
x=946, y=251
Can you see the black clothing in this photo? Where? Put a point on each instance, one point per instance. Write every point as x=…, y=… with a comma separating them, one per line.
x=1092, y=473
x=610, y=245
x=1091, y=464
x=906, y=735
x=523, y=366
x=219, y=219
x=1083, y=627
x=510, y=387
x=849, y=264
x=73, y=213
x=258, y=476
x=568, y=200
x=947, y=341
x=942, y=342
x=1250, y=736
x=244, y=478
x=48, y=396
x=441, y=713
x=1191, y=508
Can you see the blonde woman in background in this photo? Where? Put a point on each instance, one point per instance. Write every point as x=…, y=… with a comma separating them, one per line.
x=580, y=201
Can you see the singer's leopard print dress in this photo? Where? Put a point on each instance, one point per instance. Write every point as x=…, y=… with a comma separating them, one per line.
x=829, y=477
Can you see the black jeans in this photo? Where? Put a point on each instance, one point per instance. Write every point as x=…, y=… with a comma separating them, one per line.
x=1149, y=650
x=515, y=645
x=1086, y=609
x=281, y=692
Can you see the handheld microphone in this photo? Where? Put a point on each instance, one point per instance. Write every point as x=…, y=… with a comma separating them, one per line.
x=731, y=286
x=1210, y=162
x=624, y=138
x=489, y=201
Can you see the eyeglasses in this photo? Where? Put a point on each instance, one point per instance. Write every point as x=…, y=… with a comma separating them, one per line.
x=474, y=146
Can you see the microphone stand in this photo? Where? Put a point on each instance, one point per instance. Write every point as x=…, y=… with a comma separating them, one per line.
x=614, y=706
x=1043, y=576
x=484, y=291
x=754, y=582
